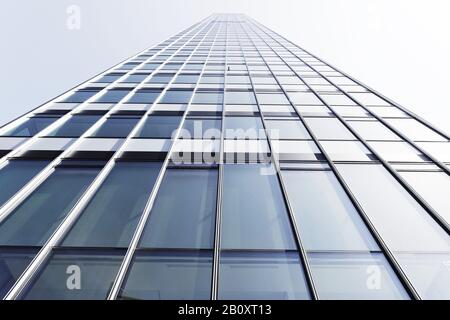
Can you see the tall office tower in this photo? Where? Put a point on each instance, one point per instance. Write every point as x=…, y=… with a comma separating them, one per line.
x=224, y=163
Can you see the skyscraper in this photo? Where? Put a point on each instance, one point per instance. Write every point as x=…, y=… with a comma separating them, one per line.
x=225, y=162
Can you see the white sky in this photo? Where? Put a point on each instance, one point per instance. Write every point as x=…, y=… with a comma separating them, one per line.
x=400, y=48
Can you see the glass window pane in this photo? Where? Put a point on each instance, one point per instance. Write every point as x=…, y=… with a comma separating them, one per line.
x=433, y=187
x=240, y=97
x=254, y=214
x=13, y=262
x=399, y=219
x=208, y=97
x=329, y=128
x=161, y=78
x=96, y=270
x=201, y=129
x=261, y=275
x=75, y=126
x=272, y=98
x=187, y=78
x=356, y=276
x=212, y=79
x=110, y=77
x=169, y=276
x=286, y=129
x=35, y=219
x=80, y=96
x=144, y=96
x=325, y=216
x=159, y=127
x=116, y=128
x=184, y=212
x=16, y=174
x=397, y=151
x=243, y=128
x=135, y=77
x=30, y=127
x=112, y=215
x=414, y=130
x=373, y=130
x=176, y=96
x=304, y=98
x=113, y=95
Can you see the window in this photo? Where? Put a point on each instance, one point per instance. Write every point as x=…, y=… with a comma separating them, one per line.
x=212, y=79
x=159, y=127
x=161, y=78
x=110, y=77
x=238, y=79
x=286, y=129
x=414, y=130
x=184, y=211
x=208, y=97
x=397, y=151
x=187, y=78
x=346, y=151
x=345, y=275
x=373, y=130
x=177, y=96
x=240, y=97
x=75, y=126
x=30, y=127
x=243, y=128
x=136, y=77
x=325, y=216
x=144, y=96
x=433, y=187
x=35, y=219
x=261, y=275
x=116, y=127
x=113, y=95
x=304, y=98
x=195, y=128
x=399, y=219
x=110, y=218
x=169, y=276
x=272, y=98
x=254, y=214
x=81, y=95
x=13, y=261
x=16, y=174
x=329, y=128
x=98, y=271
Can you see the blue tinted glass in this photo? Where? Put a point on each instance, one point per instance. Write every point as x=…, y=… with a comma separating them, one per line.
x=350, y=275
x=111, y=77
x=35, y=219
x=113, y=96
x=144, y=96
x=13, y=262
x=262, y=275
x=75, y=126
x=116, y=128
x=16, y=174
x=80, y=96
x=136, y=78
x=194, y=66
x=159, y=127
x=150, y=66
x=286, y=129
x=169, y=276
x=240, y=97
x=212, y=79
x=31, y=127
x=333, y=216
x=113, y=213
x=187, y=78
x=244, y=128
x=184, y=211
x=208, y=97
x=161, y=78
x=96, y=272
x=254, y=214
x=177, y=96
x=201, y=128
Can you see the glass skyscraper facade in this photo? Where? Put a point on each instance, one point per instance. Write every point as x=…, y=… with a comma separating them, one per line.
x=225, y=162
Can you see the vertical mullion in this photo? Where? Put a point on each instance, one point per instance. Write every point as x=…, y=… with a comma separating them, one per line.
x=384, y=248
x=301, y=250
x=218, y=222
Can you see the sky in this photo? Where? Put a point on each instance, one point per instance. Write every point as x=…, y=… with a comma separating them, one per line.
x=399, y=48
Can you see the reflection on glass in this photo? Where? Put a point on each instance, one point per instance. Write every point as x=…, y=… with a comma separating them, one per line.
x=13, y=262
x=30, y=127
x=113, y=213
x=169, y=276
x=261, y=275
x=75, y=126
